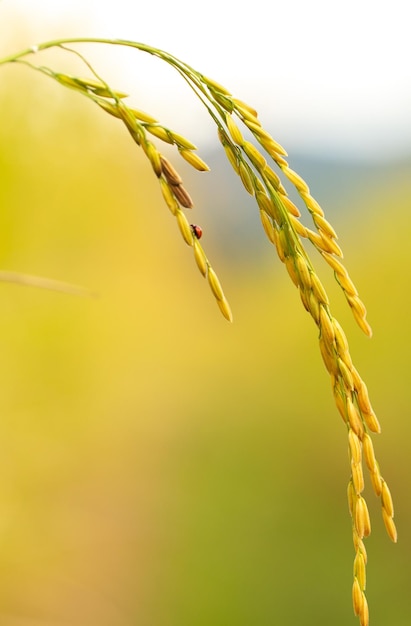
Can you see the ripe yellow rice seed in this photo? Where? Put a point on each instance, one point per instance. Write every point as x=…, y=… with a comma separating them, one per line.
x=314, y=307
x=347, y=285
x=340, y=337
x=376, y=480
x=390, y=526
x=303, y=272
x=329, y=362
x=359, y=569
x=359, y=516
x=194, y=160
x=296, y=180
x=215, y=284
x=214, y=85
x=154, y=156
x=232, y=157
x=283, y=239
x=143, y=117
x=299, y=228
x=246, y=116
x=346, y=375
x=316, y=240
x=354, y=418
x=364, y=614
x=312, y=204
x=254, y=155
x=182, y=141
x=160, y=132
x=330, y=245
x=369, y=454
x=279, y=246
x=272, y=177
x=357, y=477
x=319, y=289
x=245, y=106
x=274, y=149
x=168, y=196
x=225, y=309
x=324, y=225
x=290, y=206
x=357, y=597
x=386, y=499
x=327, y=326
x=234, y=131
x=183, y=196
x=268, y=226
x=367, y=521
x=109, y=107
x=170, y=172
x=264, y=202
x=200, y=257
x=336, y=265
x=363, y=398
x=244, y=172
x=362, y=323
x=289, y=264
x=255, y=126
x=184, y=227
x=340, y=404
x=372, y=422
x=359, y=545
x=355, y=446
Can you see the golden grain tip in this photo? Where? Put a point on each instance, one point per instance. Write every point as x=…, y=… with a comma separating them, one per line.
x=194, y=160
x=244, y=172
x=372, y=422
x=184, y=227
x=245, y=106
x=225, y=309
x=254, y=155
x=359, y=569
x=268, y=226
x=298, y=182
x=376, y=480
x=182, y=141
x=355, y=446
x=159, y=131
x=386, y=499
x=215, y=284
x=200, y=257
x=214, y=85
x=144, y=117
x=389, y=526
x=234, y=131
x=357, y=477
x=357, y=597
x=168, y=196
x=364, y=614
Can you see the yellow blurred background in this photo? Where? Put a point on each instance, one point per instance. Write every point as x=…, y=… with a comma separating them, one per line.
x=161, y=467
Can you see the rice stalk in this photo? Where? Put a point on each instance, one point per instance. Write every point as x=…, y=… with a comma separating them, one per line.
x=260, y=170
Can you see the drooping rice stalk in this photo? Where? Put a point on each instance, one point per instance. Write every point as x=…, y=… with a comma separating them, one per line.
x=259, y=166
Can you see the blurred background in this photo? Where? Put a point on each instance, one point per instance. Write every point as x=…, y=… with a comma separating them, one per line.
x=160, y=466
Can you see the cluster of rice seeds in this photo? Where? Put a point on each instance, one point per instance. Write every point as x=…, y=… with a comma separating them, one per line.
x=279, y=217
x=174, y=193
x=324, y=238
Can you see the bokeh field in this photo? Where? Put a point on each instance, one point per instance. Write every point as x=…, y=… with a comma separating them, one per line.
x=159, y=466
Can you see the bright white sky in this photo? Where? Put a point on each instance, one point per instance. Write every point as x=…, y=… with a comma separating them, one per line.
x=323, y=74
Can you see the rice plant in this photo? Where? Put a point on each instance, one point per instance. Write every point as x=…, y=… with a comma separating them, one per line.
x=262, y=168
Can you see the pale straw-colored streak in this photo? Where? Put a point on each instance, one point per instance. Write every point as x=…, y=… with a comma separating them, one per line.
x=44, y=283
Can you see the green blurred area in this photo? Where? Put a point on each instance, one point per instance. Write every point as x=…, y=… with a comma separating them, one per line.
x=159, y=466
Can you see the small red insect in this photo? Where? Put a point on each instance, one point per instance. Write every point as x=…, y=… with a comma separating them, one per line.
x=197, y=230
